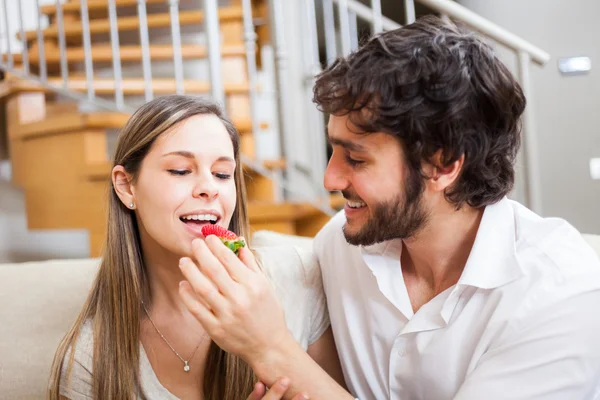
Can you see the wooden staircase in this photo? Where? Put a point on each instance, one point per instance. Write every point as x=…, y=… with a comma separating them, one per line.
x=59, y=154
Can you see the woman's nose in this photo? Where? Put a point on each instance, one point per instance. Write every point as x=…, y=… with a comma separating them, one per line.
x=206, y=188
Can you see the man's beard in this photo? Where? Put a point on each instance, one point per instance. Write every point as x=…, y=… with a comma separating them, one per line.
x=400, y=218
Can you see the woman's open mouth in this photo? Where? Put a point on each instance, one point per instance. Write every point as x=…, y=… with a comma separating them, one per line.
x=195, y=222
x=200, y=219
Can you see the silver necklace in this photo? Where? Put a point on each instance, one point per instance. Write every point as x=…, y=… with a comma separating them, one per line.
x=186, y=366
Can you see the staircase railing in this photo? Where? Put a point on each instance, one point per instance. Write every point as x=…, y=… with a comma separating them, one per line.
x=91, y=100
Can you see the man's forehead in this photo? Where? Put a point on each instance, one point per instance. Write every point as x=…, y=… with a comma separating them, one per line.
x=341, y=131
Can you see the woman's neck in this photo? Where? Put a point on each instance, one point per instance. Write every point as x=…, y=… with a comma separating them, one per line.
x=163, y=283
x=164, y=275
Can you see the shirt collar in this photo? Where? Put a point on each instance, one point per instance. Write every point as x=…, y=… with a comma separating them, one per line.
x=493, y=259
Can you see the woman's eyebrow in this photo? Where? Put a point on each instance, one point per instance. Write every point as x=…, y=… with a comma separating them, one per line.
x=183, y=153
x=189, y=154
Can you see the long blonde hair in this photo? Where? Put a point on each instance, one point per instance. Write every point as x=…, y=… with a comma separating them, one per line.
x=113, y=304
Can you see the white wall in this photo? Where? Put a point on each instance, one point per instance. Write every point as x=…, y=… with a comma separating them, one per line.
x=566, y=107
x=29, y=21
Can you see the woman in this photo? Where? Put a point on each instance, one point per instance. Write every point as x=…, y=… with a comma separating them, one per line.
x=176, y=168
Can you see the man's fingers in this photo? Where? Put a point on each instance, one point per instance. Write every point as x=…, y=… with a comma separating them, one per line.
x=196, y=307
x=212, y=267
x=248, y=259
x=236, y=269
x=202, y=286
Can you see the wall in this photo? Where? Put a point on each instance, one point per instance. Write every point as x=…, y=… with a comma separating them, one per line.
x=566, y=107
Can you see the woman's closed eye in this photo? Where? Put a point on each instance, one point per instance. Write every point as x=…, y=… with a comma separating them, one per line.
x=222, y=176
x=179, y=172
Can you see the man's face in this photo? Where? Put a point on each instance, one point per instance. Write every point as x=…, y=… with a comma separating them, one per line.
x=384, y=196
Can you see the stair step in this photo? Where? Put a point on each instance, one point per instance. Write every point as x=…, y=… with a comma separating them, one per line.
x=74, y=30
x=76, y=121
x=103, y=53
x=11, y=86
x=93, y=5
x=136, y=86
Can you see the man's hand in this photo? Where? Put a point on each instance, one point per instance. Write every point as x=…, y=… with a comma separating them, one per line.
x=233, y=300
x=276, y=392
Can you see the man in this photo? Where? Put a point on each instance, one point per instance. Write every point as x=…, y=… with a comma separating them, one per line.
x=438, y=286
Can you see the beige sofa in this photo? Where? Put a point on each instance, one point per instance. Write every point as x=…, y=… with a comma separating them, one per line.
x=39, y=301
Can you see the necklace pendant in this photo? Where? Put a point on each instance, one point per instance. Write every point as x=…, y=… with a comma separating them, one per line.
x=186, y=367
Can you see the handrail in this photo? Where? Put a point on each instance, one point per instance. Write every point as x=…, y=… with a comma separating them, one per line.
x=366, y=13
x=487, y=27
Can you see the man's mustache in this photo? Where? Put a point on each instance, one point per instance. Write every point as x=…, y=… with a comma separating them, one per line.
x=351, y=196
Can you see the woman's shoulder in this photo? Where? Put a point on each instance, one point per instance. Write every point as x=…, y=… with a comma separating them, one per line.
x=288, y=263
x=296, y=276
x=84, y=344
x=76, y=376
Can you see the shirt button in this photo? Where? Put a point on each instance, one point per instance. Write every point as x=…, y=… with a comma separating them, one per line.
x=402, y=352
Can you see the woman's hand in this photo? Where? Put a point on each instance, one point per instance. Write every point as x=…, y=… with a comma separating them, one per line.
x=233, y=300
x=276, y=392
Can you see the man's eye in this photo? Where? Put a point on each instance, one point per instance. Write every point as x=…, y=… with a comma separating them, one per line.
x=179, y=172
x=353, y=162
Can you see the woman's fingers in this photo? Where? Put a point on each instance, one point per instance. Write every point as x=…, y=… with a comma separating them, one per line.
x=278, y=389
x=275, y=393
x=258, y=392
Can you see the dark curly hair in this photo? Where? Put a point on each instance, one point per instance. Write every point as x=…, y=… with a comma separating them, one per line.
x=434, y=86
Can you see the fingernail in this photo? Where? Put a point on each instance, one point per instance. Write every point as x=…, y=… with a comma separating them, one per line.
x=305, y=396
x=182, y=261
x=285, y=382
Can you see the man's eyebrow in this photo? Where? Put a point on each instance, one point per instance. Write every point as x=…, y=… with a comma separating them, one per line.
x=348, y=145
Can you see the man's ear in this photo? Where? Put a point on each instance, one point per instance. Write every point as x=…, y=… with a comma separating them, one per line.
x=440, y=177
x=122, y=182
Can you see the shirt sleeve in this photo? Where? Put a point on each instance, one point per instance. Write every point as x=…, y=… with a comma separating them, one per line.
x=78, y=384
x=555, y=355
x=319, y=317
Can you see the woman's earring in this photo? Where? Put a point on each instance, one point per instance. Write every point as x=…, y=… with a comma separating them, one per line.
x=131, y=205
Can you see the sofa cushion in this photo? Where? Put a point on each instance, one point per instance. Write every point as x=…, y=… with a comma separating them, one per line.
x=38, y=303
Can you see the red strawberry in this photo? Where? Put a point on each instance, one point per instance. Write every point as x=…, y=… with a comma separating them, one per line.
x=218, y=231
x=228, y=238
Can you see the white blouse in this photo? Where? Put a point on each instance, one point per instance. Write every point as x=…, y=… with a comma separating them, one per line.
x=296, y=277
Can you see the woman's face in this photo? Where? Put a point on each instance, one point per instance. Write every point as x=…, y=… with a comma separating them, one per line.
x=186, y=181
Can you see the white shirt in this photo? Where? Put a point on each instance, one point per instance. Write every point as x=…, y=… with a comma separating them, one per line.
x=523, y=321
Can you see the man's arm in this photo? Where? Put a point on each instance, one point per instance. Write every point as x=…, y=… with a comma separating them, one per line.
x=238, y=307
x=553, y=356
x=289, y=359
